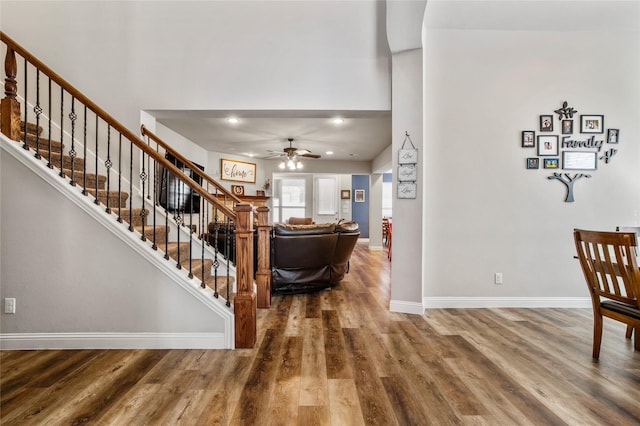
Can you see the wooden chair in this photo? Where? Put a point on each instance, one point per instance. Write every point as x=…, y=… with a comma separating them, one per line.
x=385, y=231
x=610, y=267
x=635, y=229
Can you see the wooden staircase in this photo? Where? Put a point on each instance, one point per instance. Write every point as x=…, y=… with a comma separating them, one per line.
x=156, y=235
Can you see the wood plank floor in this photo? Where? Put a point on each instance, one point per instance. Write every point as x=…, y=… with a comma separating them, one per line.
x=340, y=357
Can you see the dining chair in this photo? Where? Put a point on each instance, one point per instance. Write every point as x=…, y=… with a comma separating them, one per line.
x=610, y=268
x=635, y=229
x=385, y=231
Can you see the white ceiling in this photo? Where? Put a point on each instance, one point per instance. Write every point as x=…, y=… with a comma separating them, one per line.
x=362, y=136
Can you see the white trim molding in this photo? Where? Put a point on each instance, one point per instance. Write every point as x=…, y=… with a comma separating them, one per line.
x=30, y=341
x=506, y=302
x=405, y=307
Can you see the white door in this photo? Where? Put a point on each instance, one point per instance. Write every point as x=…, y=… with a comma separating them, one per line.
x=326, y=199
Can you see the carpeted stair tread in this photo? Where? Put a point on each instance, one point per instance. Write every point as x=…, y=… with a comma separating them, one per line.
x=222, y=285
x=173, y=248
x=42, y=142
x=196, y=267
x=31, y=127
x=91, y=179
x=160, y=234
x=78, y=163
x=114, y=200
x=137, y=216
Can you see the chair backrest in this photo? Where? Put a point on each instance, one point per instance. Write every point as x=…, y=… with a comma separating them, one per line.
x=609, y=264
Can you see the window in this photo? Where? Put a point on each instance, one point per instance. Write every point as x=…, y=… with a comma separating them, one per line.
x=288, y=198
x=387, y=199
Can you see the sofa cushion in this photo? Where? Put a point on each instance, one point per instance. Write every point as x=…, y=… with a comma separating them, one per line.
x=324, y=228
x=300, y=221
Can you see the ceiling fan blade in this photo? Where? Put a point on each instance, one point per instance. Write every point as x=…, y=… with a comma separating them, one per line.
x=310, y=155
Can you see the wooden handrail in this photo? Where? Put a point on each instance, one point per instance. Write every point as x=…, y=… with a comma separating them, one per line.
x=115, y=124
x=184, y=160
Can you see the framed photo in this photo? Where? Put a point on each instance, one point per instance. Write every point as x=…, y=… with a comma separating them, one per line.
x=407, y=173
x=408, y=156
x=546, y=123
x=528, y=139
x=592, y=124
x=612, y=135
x=547, y=145
x=407, y=190
x=238, y=171
x=567, y=127
x=237, y=189
x=260, y=193
x=551, y=163
x=533, y=163
x=358, y=195
x=579, y=160
x=345, y=194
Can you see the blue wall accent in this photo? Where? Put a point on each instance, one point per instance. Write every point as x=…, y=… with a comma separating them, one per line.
x=360, y=211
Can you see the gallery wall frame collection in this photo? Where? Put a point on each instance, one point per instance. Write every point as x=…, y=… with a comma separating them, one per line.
x=565, y=150
x=407, y=169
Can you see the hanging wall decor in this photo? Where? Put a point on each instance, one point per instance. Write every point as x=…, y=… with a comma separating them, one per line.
x=578, y=151
x=407, y=169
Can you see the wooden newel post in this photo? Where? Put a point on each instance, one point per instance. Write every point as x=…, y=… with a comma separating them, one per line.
x=263, y=274
x=245, y=300
x=9, y=106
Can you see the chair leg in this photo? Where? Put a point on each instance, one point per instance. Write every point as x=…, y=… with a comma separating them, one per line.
x=636, y=338
x=629, y=332
x=597, y=335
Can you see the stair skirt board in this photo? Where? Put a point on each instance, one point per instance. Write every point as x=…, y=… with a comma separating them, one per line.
x=49, y=341
x=74, y=194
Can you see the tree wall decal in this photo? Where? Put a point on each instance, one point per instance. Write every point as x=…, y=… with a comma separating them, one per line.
x=568, y=181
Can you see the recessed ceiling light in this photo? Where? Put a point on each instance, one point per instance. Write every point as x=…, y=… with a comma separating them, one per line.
x=249, y=154
x=329, y=152
x=337, y=120
x=232, y=120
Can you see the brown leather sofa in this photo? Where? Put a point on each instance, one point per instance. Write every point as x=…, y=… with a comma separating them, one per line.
x=311, y=257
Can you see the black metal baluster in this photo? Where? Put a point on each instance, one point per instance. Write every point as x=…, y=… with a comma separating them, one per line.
x=62, y=175
x=38, y=110
x=131, y=186
x=120, y=175
x=84, y=153
x=155, y=200
x=216, y=263
x=97, y=201
x=107, y=165
x=202, y=238
x=49, y=164
x=72, y=152
x=143, y=178
x=165, y=180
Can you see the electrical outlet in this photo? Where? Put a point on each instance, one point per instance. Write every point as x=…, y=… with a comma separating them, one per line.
x=9, y=305
x=497, y=278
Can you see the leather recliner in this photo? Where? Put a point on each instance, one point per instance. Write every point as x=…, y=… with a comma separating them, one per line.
x=311, y=257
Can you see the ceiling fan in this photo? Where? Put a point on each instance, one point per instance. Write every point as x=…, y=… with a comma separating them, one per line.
x=291, y=156
x=291, y=153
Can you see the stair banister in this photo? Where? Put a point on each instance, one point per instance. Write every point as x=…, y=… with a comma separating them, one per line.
x=241, y=214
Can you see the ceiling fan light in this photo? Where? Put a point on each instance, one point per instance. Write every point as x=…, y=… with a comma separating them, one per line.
x=299, y=165
x=281, y=165
x=291, y=165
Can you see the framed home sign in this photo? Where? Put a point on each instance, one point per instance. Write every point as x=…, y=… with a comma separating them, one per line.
x=237, y=171
x=407, y=190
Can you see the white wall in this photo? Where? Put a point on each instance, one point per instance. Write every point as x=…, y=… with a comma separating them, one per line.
x=73, y=277
x=484, y=212
x=211, y=54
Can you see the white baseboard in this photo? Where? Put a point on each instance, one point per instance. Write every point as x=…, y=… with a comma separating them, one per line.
x=488, y=302
x=506, y=302
x=26, y=341
x=406, y=307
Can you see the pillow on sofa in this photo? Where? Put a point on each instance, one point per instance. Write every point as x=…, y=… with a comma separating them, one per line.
x=300, y=221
